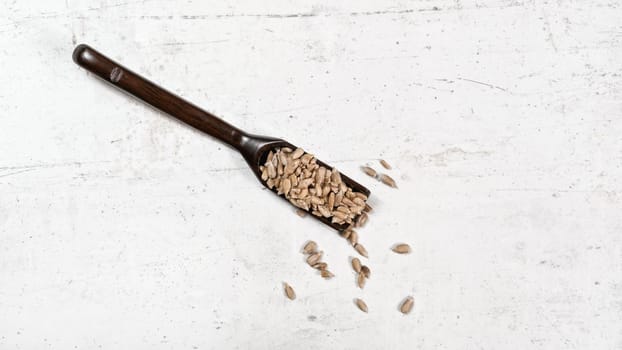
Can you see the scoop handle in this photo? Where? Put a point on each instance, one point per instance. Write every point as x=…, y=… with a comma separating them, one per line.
x=136, y=85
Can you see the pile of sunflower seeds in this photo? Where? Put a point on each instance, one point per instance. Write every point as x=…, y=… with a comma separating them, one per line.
x=312, y=187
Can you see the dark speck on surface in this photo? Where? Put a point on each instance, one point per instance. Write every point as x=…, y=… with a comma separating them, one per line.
x=311, y=317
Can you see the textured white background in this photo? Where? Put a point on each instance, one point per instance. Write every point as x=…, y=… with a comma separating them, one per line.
x=121, y=228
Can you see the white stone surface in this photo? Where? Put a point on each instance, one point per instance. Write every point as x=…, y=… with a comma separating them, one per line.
x=121, y=228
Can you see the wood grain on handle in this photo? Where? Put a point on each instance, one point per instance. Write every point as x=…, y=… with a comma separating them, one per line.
x=123, y=78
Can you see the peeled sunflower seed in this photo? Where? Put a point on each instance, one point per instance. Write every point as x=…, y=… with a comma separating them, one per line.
x=289, y=292
x=325, y=212
x=297, y=153
x=385, y=164
x=310, y=247
x=347, y=201
x=314, y=258
x=301, y=213
x=335, y=177
x=282, y=158
x=358, y=201
x=360, y=195
x=401, y=248
x=361, y=220
x=356, y=265
x=354, y=238
x=365, y=271
x=361, y=304
x=339, y=215
x=327, y=274
x=320, y=266
x=343, y=209
x=319, y=175
x=407, y=305
x=369, y=171
x=264, y=173
x=286, y=185
x=360, y=249
x=368, y=208
x=361, y=280
x=271, y=170
x=326, y=190
x=346, y=233
x=387, y=180
x=306, y=158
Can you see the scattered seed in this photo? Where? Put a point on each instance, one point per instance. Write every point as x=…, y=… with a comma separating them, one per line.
x=360, y=249
x=310, y=247
x=401, y=248
x=354, y=238
x=289, y=292
x=356, y=265
x=301, y=213
x=361, y=280
x=385, y=164
x=407, y=305
x=369, y=171
x=314, y=258
x=365, y=271
x=320, y=266
x=361, y=304
x=327, y=274
x=346, y=233
x=361, y=220
x=387, y=180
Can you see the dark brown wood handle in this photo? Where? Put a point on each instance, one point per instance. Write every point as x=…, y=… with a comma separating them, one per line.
x=123, y=78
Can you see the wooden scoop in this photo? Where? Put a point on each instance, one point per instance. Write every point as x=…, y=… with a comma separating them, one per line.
x=253, y=148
